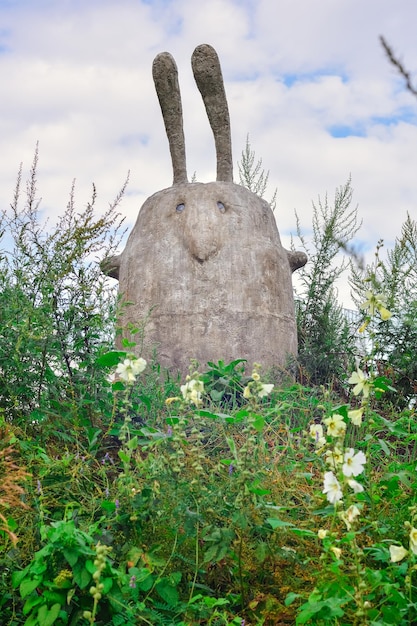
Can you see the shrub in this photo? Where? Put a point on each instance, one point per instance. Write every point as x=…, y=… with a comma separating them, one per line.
x=395, y=280
x=325, y=336
x=56, y=310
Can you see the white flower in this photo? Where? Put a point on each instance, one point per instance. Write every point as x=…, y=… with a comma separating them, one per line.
x=334, y=457
x=353, y=484
x=336, y=551
x=332, y=488
x=265, y=390
x=413, y=540
x=384, y=313
x=247, y=393
x=361, y=382
x=257, y=388
x=192, y=390
x=322, y=533
x=353, y=463
x=335, y=425
x=316, y=433
x=355, y=416
x=130, y=368
x=376, y=302
x=349, y=515
x=397, y=553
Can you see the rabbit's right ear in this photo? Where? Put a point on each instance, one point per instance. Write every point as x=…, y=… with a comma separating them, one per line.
x=209, y=79
x=165, y=76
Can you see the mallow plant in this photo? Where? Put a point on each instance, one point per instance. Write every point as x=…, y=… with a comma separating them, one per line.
x=361, y=582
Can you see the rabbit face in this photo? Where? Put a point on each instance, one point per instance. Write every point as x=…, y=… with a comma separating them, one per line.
x=205, y=220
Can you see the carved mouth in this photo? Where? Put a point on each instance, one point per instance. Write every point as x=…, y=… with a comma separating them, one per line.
x=203, y=258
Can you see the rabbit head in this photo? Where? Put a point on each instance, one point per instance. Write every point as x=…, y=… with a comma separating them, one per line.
x=204, y=262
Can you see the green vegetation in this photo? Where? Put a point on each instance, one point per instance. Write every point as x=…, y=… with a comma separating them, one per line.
x=326, y=339
x=130, y=497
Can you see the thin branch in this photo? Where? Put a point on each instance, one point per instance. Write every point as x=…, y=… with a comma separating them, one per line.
x=400, y=67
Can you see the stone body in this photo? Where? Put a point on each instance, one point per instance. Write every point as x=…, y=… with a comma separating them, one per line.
x=204, y=264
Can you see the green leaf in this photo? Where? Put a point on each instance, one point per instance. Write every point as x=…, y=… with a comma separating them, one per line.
x=232, y=364
x=38, y=566
x=342, y=410
x=59, y=597
x=29, y=585
x=32, y=620
x=232, y=447
x=175, y=578
x=123, y=456
x=212, y=602
x=144, y=580
x=129, y=344
x=259, y=423
x=171, y=421
x=108, y=505
x=262, y=551
x=382, y=383
x=18, y=576
x=118, y=386
x=111, y=359
x=277, y=523
x=31, y=602
x=303, y=532
x=108, y=583
x=147, y=401
x=384, y=447
x=240, y=415
x=290, y=597
x=71, y=556
x=47, y=617
x=210, y=415
x=132, y=444
x=11, y=523
x=168, y=592
x=216, y=552
x=258, y=491
x=81, y=576
x=89, y=565
x=216, y=395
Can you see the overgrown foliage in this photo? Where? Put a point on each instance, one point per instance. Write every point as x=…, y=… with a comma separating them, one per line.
x=56, y=309
x=395, y=278
x=325, y=336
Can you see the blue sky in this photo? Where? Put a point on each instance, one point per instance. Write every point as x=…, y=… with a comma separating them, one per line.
x=308, y=80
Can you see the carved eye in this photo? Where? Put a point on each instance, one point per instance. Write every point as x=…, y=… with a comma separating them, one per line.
x=180, y=208
x=221, y=207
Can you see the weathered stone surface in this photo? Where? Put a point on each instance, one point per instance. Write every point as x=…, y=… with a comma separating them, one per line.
x=204, y=262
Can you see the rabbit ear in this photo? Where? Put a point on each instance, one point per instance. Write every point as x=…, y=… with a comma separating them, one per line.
x=165, y=76
x=209, y=79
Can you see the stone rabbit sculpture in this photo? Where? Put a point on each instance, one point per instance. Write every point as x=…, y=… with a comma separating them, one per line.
x=204, y=262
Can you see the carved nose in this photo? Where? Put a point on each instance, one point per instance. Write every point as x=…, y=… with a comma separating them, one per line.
x=202, y=233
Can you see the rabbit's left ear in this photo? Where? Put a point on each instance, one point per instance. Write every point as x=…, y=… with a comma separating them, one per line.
x=165, y=76
x=209, y=79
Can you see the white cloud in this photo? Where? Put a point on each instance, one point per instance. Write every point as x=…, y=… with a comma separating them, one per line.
x=76, y=77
